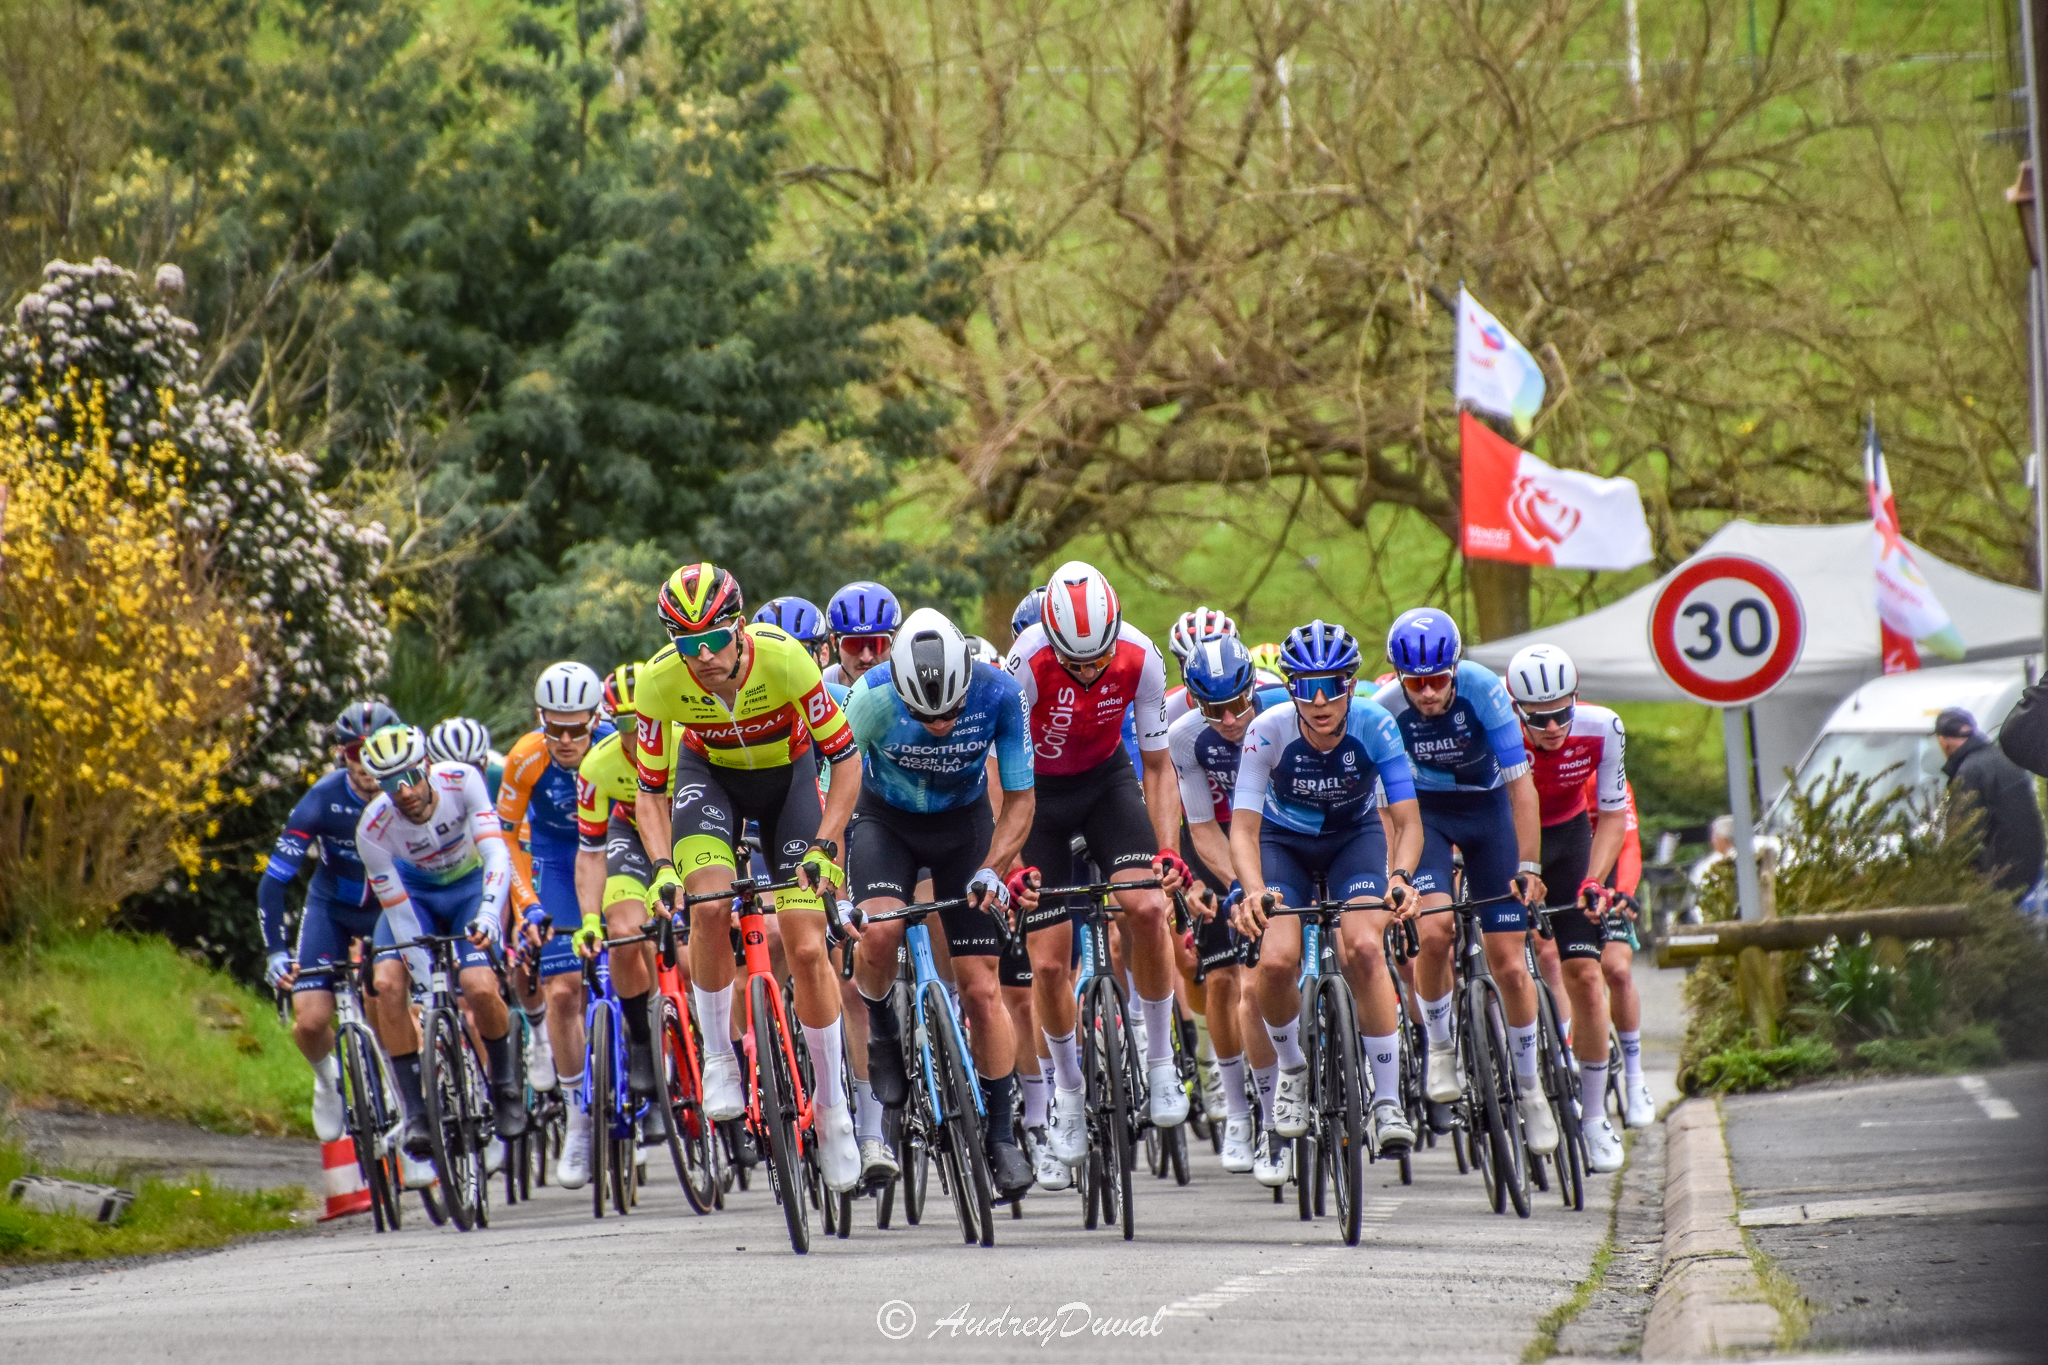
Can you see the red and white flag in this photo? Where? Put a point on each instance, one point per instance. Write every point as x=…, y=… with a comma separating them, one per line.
x=1910, y=617
x=1519, y=509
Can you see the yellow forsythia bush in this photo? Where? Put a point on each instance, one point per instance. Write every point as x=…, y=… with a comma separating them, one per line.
x=123, y=677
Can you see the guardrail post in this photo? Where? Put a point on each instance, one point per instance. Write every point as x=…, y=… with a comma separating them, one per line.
x=1761, y=987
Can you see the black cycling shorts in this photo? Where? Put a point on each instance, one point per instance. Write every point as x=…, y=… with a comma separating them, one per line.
x=1216, y=943
x=1567, y=851
x=887, y=847
x=1106, y=807
x=714, y=803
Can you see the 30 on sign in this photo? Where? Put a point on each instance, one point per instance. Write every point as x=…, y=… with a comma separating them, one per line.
x=1727, y=629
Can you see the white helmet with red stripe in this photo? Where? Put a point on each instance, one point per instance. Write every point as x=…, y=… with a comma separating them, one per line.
x=1082, y=615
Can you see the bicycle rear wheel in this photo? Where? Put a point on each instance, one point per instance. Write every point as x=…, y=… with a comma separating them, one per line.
x=1341, y=1106
x=444, y=1083
x=603, y=1099
x=973, y=1186
x=1119, y=1059
x=691, y=1143
x=778, y=1113
x=1506, y=1151
x=1561, y=1089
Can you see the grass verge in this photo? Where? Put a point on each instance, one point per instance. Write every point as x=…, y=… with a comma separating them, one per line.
x=125, y=1024
x=181, y=1215
x=1544, y=1344
x=1781, y=1293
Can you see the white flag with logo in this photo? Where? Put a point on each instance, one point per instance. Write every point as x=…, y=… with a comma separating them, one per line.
x=1495, y=372
x=1519, y=509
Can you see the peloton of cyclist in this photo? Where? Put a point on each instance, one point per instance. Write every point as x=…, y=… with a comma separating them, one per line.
x=1081, y=667
x=927, y=723
x=436, y=860
x=338, y=910
x=1307, y=807
x=754, y=718
x=1223, y=689
x=1476, y=796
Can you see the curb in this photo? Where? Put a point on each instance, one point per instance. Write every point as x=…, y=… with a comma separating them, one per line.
x=1709, y=1300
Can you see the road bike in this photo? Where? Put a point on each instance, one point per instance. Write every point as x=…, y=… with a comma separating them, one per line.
x=371, y=1112
x=1560, y=1083
x=943, y=1122
x=452, y=1078
x=607, y=1097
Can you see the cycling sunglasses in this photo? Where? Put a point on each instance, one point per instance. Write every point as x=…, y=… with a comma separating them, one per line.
x=411, y=777
x=1543, y=720
x=1320, y=686
x=352, y=751
x=575, y=730
x=706, y=641
x=1428, y=682
x=864, y=644
x=1227, y=710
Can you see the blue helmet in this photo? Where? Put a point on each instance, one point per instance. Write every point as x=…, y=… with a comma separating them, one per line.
x=1424, y=640
x=1029, y=611
x=361, y=719
x=1220, y=668
x=864, y=608
x=795, y=617
x=1319, y=647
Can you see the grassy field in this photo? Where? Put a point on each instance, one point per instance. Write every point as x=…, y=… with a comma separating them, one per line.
x=127, y=1025
x=183, y=1215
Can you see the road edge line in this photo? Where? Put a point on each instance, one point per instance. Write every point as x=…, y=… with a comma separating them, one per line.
x=1709, y=1298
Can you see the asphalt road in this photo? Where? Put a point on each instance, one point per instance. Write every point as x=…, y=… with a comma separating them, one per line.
x=1216, y=1267
x=1912, y=1214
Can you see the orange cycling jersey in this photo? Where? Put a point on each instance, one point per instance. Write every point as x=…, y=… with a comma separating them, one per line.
x=782, y=708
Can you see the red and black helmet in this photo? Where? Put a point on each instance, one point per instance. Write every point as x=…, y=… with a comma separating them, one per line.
x=697, y=597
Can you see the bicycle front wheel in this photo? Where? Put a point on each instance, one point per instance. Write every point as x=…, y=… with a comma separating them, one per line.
x=445, y=1084
x=1506, y=1155
x=365, y=1113
x=973, y=1186
x=1341, y=1106
x=778, y=1113
x=603, y=1100
x=690, y=1141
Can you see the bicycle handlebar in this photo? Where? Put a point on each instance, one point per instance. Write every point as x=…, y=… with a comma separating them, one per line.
x=741, y=888
x=1100, y=888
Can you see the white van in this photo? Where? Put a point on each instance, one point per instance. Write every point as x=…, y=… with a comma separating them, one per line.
x=1890, y=721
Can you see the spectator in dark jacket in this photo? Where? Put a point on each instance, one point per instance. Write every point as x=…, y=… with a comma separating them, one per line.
x=1984, y=780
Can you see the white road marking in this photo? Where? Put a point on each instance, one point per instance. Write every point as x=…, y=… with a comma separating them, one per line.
x=1894, y=1206
x=1994, y=1106
x=1204, y=1304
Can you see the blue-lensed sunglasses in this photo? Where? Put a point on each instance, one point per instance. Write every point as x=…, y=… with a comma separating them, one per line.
x=411, y=777
x=705, y=641
x=1320, y=686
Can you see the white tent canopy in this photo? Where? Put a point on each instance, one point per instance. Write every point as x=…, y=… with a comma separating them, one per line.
x=1830, y=566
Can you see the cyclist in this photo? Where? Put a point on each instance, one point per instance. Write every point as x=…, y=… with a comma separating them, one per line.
x=927, y=723
x=754, y=717
x=797, y=618
x=1573, y=746
x=1307, y=805
x=338, y=906
x=1204, y=746
x=1029, y=611
x=1472, y=780
x=1081, y=667
x=1617, y=961
x=863, y=617
x=1193, y=628
x=437, y=863
x=539, y=791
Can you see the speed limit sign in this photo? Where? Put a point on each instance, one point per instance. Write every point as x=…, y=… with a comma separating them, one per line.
x=1727, y=629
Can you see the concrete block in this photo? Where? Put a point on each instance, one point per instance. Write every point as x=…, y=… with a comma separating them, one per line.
x=48, y=1194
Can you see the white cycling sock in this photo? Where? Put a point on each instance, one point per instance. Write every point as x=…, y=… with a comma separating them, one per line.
x=1264, y=1077
x=1287, y=1043
x=714, y=1015
x=1631, y=1053
x=1436, y=1019
x=1159, y=1018
x=1037, y=1097
x=1386, y=1070
x=867, y=1115
x=1066, y=1061
x=1592, y=1086
x=328, y=1069
x=825, y=1063
x=579, y=1117
x=1522, y=1045
x=1236, y=1104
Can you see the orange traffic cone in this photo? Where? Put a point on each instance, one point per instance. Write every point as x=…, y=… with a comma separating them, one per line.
x=346, y=1192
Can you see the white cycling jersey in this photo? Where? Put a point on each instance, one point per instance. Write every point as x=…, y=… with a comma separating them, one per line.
x=460, y=834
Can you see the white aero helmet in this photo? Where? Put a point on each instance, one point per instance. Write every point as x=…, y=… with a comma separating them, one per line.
x=460, y=740
x=1540, y=674
x=568, y=686
x=931, y=665
x=1082, y=615
x=1203, y=623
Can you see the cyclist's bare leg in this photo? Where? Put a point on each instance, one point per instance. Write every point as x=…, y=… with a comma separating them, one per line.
x=874, y=958
x=1052, y=978
x=711, y=960
x=1258, y=1044
x=390, y=1009
x=1149, y=948
x=1587, y=991
x=1504, y=958
x=816, y=985
x=1362, y=948
x=564, y=995
x=632, y=967
x=1025, y=1043
x=1220, y=991
x=1274, y=985
x=988, y=1023
x=482, y=1003
x=854, y=1011
x=313, y=1024
x=1438, y=934
x=1617, y=961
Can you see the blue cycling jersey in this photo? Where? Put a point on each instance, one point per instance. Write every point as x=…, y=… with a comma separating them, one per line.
x=325, y=816
x=1206, y=762
x=915, y=770
x=1293, y=784
x=1474, y=746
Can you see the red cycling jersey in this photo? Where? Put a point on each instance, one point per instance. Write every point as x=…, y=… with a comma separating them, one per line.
x=1585, y=770
x=1075, y=728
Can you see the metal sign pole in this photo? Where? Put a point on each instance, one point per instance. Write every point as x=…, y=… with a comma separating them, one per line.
x=1735, y=738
